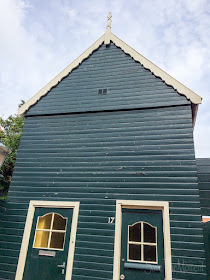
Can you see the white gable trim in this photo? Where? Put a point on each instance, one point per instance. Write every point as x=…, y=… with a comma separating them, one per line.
x=192, y=96
x=106, y=38
x=60, y=76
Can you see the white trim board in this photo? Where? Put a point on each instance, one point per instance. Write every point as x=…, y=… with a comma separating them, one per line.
x=27, y=232
x=140, y=204
x=106, y=39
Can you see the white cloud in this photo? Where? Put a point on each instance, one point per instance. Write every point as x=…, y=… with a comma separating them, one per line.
x=40, y=38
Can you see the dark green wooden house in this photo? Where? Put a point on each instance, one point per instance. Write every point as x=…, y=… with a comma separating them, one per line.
x=105, y=182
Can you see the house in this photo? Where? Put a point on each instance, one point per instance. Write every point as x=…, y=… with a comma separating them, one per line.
x=114, y=193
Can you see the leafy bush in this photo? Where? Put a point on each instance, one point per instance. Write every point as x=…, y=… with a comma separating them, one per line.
x=10, y=136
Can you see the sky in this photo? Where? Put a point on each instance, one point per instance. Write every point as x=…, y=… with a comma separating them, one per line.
x=39, y=38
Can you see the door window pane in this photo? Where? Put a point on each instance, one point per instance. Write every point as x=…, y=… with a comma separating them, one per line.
x=149, y=233
x=142, y=243
x=45, y=221
x=41, y=239
x=135, y=232
x=50, y=232
x=134, y=252
x=150, y=253
x=57, y=240
x=59, y=222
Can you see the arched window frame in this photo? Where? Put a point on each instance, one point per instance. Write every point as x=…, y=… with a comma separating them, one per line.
x=50, y=230
x=142, y=243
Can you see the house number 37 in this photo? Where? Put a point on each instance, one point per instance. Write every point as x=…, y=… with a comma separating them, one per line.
x=111, y=220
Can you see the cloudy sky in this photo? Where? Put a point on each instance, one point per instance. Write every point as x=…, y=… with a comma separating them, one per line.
x=38, y=39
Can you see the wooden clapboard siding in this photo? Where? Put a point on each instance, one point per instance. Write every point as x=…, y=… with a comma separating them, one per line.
x=129, y=86
x=3, y=205
x=203, y=165
x=96, y=158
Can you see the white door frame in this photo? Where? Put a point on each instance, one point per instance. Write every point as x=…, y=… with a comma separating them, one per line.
x=27, y=232
x=140, y=204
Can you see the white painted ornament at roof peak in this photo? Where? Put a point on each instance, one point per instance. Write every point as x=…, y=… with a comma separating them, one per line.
x=109, y=20
x=106, y=39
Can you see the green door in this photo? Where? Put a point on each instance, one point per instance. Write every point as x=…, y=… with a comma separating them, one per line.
x=142, y=254
x=48, y=245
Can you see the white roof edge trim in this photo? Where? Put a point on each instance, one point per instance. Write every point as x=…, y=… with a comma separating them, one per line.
x=60, y=76
x=169, y=80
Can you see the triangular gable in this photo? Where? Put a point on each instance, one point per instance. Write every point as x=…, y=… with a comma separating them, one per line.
x=106, y=38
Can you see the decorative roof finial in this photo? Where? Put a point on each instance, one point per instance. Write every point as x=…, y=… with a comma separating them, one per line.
x=109, y=21
x=107, y=35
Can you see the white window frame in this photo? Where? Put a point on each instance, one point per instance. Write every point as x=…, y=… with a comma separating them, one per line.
x=27, y=232
x=142, y=243
x=140, y=204
x=50, y=230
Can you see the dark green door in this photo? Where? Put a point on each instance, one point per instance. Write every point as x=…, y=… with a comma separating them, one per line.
x=142, y=254
x=48, y=244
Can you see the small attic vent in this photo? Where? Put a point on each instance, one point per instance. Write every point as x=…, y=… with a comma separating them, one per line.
x=102, y=91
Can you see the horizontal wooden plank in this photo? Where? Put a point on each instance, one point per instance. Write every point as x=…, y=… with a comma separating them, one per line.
x=203, y=169
x=9, y=245
x=187, y=260
x=107, y=148
x=99, y=191
x=205, y=211
x=9, y=267
x=203, y=186
x=102, y=179
x=93, y=258
x=204, y=178
x=93, y=265
x=181, y=134
x=6, y=274
x=11, y=260
x=205, y=162
x=89, y=170
x=110, y=199
x=205, y=202
x=190, y=273
x=9, y=253
x=187, y=253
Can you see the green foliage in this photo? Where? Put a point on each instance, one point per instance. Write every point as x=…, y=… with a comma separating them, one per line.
x=10, y=136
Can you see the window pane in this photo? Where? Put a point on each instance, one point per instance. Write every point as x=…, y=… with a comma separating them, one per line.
x=149, y=234
x=57, y=240
x=41, y=239
x=44, y=222
x=59, y=222
x=135, y=232
x=150, y=253
x=134, y=252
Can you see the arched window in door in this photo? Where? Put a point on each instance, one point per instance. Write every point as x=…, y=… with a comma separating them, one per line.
x=142, y=243
x=50, y=232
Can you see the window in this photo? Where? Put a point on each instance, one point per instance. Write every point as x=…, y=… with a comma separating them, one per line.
x=50, y=232
x=103, y=91
x=142, y=243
